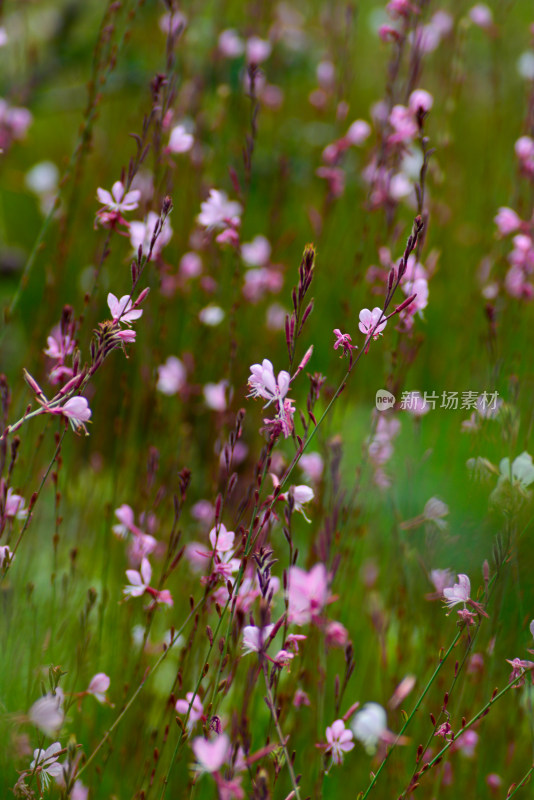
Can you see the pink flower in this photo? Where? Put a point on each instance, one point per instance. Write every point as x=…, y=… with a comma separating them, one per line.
x=257, y=50
x=369, y=322
x=139, y=581
x=172, y=376
x=254, y=639
x=47, y=713
x=45, y=763
x=336, y=634
x=519, y=670
x=221, y=540
x=344, y=340
x=420, y=101
x=339, y=741
x=312, y=465
x=403, y=123
x=180, y=141
x=481, y=15
x=263, y=383
x=211, y=755
x=118, y=200
x=459, y=593
x=507, y=221
x=359, y=131
x=230, y=44
x=98, y=686
x=194, y=708
x=307, y=593
x=300, y=698
x=217, y=211
x=14, y=507
x=215, y=395
x=76, y=410
x=6, y=556
x=257, y=252
x=442, y=579
x=141, y=234
x=122, y=310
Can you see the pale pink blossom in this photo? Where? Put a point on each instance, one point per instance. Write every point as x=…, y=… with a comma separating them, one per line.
x=45, y=764
x=263, y=383
x=230, y=44
x=369, y=322
x=326, y=74
x=307, y=593
x=139, y=580
x=122, y=310
x=255, y=639
x=141, y=234
x=172, y=22
x=336, y=634
x=193, y=705
x=359, y=131
x=76, y=410
x=211, y=755
x=118, y=199
x=14, y=507
x=300, y=698
x=339, y=741
x=180, y=141
x=47, y=713
x=420, y=101
x=257, y=50
x=403, y=123
x=507, y=221
x=172, y=376
x=98, y=686
x=215, y=395
x=312, y=465
x=190, y=265
x=221, y=539
x=6, y=556
x=442, y=579
x=218, y=211
x=257, y=252
x=481, y=15
x=459, y=593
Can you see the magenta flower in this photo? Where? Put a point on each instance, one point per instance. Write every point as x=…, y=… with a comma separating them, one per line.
x=118, y=199
x=459, y=593
x=211, y=755
x=369, y=322
x=519, y=670
x=339, y=741
x=344, y=340
x=507, y=221
x=122, y=310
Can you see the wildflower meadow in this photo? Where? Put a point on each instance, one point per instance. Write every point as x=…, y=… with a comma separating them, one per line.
x=266, y=399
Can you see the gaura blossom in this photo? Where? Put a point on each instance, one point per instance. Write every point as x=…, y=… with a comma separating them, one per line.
x=45, y=764
x=140, y=584
x=519, y=670
x=14, y=507
x=180, y=141
x=263, y=383
x=459, y=593
x=307, y=593
x=339, y=741
x=255, y=639
x=369, y=726
x=76, y=410
x=6, y=555
x=98, y=687
x=47, y=713
x=172, y=376
x=141, y=234
x=218, y=211
x=118, y=200
x=369, y=322
x=194, y=708
x=122, y=310
x=211, y=755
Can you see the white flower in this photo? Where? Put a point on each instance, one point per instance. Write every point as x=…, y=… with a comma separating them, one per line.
x=369, y=725
x=522, y=469
x=211, y=315
x=369, y=320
